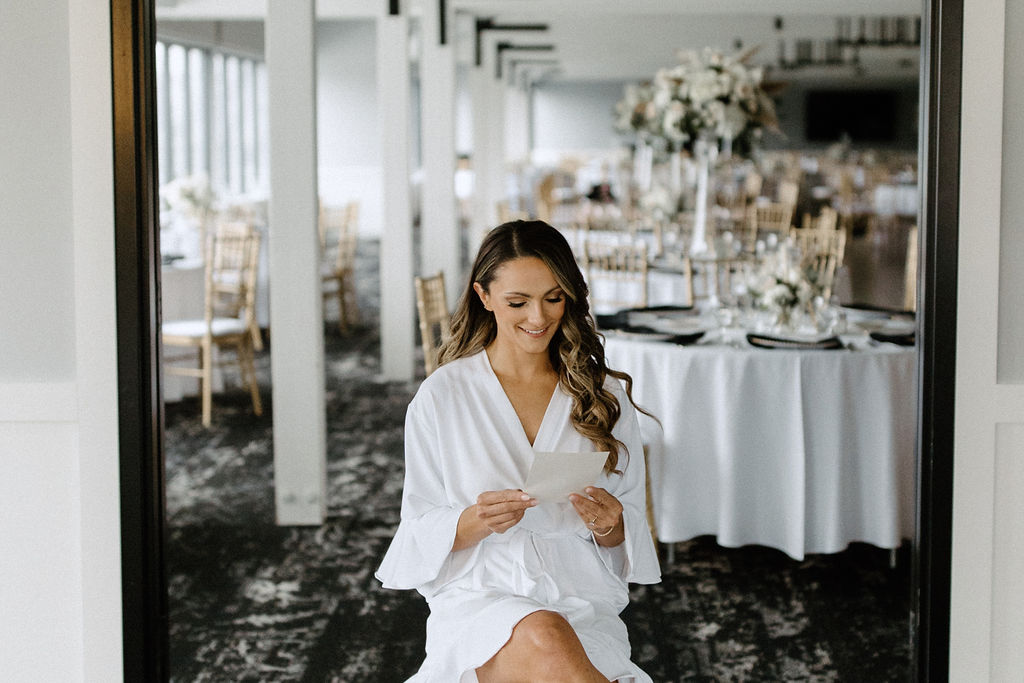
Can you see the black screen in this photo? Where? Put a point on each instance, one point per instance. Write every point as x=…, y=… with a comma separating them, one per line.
x=864, y=115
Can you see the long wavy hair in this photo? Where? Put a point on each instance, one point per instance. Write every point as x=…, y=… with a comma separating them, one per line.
x=576, y=350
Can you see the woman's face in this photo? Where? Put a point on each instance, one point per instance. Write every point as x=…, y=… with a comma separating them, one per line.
x=527, y=303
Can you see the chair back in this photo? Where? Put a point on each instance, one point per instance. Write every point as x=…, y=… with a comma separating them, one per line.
x=752, y=186
x=616, y=275
x=232, y=263
x=788, y=192
x=827, y=219
x=910, y=275
x=338, y=227
x=432, y=308
x=769, y=218
x=821, y=254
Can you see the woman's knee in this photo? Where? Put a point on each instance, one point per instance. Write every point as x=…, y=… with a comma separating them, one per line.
x=546, y=632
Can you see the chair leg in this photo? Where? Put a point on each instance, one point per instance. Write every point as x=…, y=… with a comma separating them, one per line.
x=257, y=338
x=249, y=376
x=206, y=362
x=342, y=313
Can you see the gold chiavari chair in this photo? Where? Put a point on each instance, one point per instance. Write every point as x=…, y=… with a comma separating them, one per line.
x=338, y=228
x=910, y=274
x=229, y=317
x=616, y=275
x=434, y=318
x=821, y=254
x=763, y=219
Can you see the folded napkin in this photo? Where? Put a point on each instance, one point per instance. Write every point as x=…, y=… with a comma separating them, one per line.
x=766, y=342
x=901, y=338
x=663, y=308
x=871, y=308
x=684, y=339
x=612, y=321
x=681, y=339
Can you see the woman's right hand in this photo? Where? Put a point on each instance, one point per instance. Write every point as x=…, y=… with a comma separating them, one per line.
x=494, y=512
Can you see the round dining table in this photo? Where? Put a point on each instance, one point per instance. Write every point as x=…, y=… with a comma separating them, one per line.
x=803, y=450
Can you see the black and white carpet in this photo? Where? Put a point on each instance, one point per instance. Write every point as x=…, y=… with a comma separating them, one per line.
x=251, y=601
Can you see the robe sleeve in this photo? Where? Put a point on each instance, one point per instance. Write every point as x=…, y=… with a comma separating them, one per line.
x=635, y=559
x=423, y=541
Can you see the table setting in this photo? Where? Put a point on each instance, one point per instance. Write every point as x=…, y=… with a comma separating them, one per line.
x=799, y=438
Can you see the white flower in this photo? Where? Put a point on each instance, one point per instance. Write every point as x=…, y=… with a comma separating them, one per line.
x=706, y=92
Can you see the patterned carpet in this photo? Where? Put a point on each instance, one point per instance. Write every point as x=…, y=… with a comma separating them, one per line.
x=251, y=601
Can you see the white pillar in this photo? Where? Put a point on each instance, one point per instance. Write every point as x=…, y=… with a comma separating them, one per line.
x=439, y=221
x=397, y=300
x=296, y=319
x=517, y=137
x=488, y=145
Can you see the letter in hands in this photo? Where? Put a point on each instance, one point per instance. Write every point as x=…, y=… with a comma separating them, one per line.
x=599, y=509
x=494, y=512
x=499, y=511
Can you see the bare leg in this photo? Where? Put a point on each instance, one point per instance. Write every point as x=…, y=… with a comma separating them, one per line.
x=543, y=648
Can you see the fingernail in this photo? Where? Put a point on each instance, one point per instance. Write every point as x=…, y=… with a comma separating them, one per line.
x=525, y=497
x=589, y=489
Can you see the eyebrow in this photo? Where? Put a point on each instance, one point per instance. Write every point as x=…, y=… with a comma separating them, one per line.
x=527, y=296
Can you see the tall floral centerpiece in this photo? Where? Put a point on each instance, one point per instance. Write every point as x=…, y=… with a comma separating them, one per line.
x=185, y=203
x=709, y=101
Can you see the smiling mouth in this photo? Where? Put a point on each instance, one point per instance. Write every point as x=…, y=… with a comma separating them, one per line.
x=535, y=333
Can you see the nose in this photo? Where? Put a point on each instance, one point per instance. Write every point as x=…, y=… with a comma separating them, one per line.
x=536, y=314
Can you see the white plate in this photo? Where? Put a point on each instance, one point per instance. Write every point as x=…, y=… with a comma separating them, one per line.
x=887, y=326
x=642, y=336
x=680, y=325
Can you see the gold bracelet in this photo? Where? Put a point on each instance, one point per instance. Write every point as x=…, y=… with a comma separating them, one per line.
x=610, y=529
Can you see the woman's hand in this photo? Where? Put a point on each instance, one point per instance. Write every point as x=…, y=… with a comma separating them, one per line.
x=495, y=512
x=602, y=513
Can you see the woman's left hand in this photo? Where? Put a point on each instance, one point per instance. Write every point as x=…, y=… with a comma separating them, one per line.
x=599, y=510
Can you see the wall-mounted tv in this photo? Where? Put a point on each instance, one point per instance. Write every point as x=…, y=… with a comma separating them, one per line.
x=864, y=115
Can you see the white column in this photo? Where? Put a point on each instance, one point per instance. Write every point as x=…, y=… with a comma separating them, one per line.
x=440, y=222
x=517, y=137
x=496, y=117
x=397, y=300
x=488, y=145
x=296, y=319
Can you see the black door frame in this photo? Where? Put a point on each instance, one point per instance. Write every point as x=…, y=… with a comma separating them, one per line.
x=144, y=589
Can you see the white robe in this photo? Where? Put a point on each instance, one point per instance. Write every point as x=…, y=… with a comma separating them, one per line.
x=463, y=437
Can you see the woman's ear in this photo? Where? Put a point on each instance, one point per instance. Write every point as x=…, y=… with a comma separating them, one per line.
x=482, y=293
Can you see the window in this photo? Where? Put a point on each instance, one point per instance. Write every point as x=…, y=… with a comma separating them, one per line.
x=210, y=118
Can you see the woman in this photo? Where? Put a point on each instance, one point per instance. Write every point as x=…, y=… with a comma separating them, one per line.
x=520, y=590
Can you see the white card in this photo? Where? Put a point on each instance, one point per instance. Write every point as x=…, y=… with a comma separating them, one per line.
x=553, y=476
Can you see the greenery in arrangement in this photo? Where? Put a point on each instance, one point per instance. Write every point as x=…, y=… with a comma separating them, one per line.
x=708, y=94
x=187, y=195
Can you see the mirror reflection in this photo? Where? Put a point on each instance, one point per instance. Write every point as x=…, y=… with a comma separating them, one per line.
x=748, y=262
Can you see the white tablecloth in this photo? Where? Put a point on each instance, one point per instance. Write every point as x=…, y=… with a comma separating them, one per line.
x=804, y=451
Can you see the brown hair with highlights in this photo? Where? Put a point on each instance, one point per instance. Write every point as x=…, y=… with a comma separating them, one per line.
x=576, y=349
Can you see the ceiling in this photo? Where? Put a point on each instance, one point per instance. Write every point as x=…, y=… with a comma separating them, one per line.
x=616, y=40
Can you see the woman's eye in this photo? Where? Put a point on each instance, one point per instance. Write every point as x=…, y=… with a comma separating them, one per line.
x=556, y=300
x=517, y=304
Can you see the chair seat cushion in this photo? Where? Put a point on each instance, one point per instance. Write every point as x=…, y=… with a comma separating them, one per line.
x=196, y=328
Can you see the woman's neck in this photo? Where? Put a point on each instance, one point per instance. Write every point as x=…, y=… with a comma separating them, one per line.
x=517, y=364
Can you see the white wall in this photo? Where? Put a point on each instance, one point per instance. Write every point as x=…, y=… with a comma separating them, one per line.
x=36, y=230
x=347, y=130
x=59, y=553
x=988, y=528
x=59, y=546
x=575, y=116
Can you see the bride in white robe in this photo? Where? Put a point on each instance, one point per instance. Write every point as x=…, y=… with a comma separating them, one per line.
x=471, y=432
